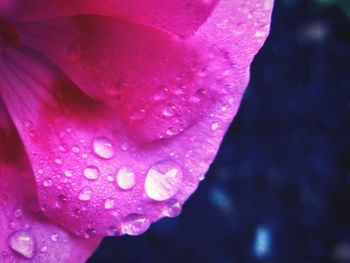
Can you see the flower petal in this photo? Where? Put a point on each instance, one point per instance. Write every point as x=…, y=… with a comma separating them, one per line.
x=119, y=171
x=25, y=233
x=180, y=17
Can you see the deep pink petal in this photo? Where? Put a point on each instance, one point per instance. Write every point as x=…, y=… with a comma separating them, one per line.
x=181, y=17
x=120, y=167
x=25, y=233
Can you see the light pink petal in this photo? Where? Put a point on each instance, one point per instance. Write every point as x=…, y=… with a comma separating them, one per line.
x=127, y=159
x=181, y=17
x=25, y=234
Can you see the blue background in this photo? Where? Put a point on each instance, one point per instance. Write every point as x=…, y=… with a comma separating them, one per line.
x=279, y=189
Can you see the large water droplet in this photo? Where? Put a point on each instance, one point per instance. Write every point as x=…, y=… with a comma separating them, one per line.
x=103, y=147
x=23, y=242
x=163, y=180
x=135, y=224
x=125, y=178
x=91, y=172
x=85, y=194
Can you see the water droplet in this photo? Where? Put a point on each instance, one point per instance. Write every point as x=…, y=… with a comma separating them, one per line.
x=54, y=237
x=68, y=173
x=47, y=182
x=43, y=249
x=75, y=149
x=91, y=172
x=103, y=147
x=113, y=231
x=135, y=224
x=125, y=178
x=23, y=242
x=85, y=194
x=172, y=209
x=18, y=213
x=169, y=111
x=90, y=233
x=62, y=200
x=62, y=148
x=110, y=178
x=163, y=180
x=109, y=203
x=138, y=115
x=124, y=146
x=58, y=161
x=214, y=126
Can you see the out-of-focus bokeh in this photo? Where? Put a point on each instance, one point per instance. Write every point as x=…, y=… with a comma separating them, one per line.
x=279, y=190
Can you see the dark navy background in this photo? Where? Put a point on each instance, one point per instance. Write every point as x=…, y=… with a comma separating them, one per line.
x=279, y=190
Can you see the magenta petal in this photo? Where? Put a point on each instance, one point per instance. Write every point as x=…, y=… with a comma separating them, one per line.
x=180, y=17
x=25, y=234
x=111, y=165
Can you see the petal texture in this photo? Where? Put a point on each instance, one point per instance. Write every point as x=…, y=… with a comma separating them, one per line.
x=181, y=17
x=121, y=121
x=25, y=234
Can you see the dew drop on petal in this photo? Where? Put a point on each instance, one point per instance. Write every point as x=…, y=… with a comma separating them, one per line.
x=54, y=237
x=109, y=203
x=173, y=208
x=68, y=173
x=47, y=182
x=91, y=172
x=90, y=233
x=163, y=180
x=18, y=213
x=135, y=224
x=85, y=194
x=125, y=178
x=22, y=242
x=103, y=147
x=214, y=126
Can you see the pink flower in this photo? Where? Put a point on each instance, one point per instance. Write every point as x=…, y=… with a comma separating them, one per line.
x=111, y=113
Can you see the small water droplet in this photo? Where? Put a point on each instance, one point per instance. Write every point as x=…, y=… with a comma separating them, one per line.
x=43, y=249
x=172, y=209
x=125, y=178
x=214, y=126
x=22, y=242
x=138, y=115
x=18, y=213
x=75, y=149
x=58, y=161
x=135, y=224
x=47, y=182
x=62, y=148
x=85, y=194
x=110, y=178
x=124, y=146
x=62, y=200
x=169, y=111
x=163, y=180
x=91, y=172
x=90, y=233
x=109, y=203
x=68, y=173
x=54, y=237
x=113, y=231
x=103, y=147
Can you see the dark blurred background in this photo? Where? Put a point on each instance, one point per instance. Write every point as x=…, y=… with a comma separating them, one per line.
x=279, y=189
